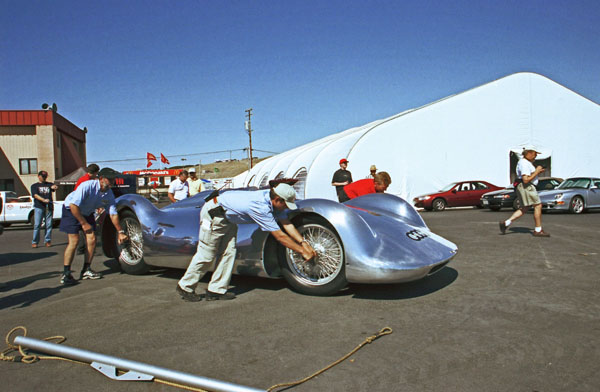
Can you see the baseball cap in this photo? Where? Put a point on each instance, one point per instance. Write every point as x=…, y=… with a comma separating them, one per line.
x=530, y=147
x=43, y=173
x=343, y=160
x=288, y=194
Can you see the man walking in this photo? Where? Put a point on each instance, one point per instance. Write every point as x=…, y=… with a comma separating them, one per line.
x=179, y=188
x=43, y=208
x=527, y=175
x=218, y=231
x=78, y=214
x=341, y=178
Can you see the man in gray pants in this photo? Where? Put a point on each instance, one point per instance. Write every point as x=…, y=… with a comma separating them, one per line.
x=218, y=231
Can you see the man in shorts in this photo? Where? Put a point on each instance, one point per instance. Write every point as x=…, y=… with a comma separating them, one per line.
x=78, y=214
x=527, y=193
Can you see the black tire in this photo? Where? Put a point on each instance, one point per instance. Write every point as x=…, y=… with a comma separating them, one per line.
x=576, y=206
x=131, y=253
x=439, y=204
x=495, y=208
x=326, y=274
x=31, y=219
x=6, y=224
x=516, y=204
x=55, y=223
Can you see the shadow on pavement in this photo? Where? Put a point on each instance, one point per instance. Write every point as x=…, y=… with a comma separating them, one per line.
x=409, y=290
x=27, y=298
x=23, y=282
x=18, y=258
x=519, y=230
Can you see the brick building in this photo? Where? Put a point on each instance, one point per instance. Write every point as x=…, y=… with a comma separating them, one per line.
x=34, y=140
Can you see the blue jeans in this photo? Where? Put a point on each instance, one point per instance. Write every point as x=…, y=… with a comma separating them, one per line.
x=38, y=213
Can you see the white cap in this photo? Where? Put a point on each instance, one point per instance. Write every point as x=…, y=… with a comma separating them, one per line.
x=530, y=147
x=288, y=194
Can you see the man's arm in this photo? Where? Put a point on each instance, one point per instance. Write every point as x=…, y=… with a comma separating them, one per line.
x=171, y=197
x=304, y=249
x=527, y=178
x=122, y=236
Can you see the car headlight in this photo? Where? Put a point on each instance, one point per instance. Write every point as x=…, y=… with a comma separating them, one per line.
x=558, y=196
x=501, y=196
x=424, y=198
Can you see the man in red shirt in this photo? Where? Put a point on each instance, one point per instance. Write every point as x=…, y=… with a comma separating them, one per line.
x=92, y=173
x=378, y=184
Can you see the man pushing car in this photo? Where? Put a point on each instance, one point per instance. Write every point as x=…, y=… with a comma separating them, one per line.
x=219, y=218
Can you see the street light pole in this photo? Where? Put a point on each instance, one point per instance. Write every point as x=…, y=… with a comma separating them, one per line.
x=249, y=130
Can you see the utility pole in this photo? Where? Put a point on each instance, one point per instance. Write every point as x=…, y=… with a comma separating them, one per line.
x=249, y=130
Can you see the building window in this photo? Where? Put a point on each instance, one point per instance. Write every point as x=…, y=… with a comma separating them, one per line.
x=263, y=182
x=28, y=166
x=301, y=184
x=7, y=184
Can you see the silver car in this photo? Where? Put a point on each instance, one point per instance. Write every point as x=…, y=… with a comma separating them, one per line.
x=376, y=238
x=575, y=195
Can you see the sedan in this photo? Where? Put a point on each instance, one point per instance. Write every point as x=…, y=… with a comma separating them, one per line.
x=457, y=194
x=508, y=197
x=575, y=195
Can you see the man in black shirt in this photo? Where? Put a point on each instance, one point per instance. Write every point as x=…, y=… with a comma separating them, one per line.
x=43, y=207
x=341, y=178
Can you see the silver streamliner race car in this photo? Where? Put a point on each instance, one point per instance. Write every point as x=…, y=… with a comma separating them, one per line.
x=376, y=238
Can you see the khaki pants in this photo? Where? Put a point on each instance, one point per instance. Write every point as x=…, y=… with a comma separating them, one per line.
x=216, y=241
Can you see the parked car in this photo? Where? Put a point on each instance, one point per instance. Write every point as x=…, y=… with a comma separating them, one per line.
x=508, y=197
x=575, y=195
x=19, y=209
x=456, y=194
x=375, y=238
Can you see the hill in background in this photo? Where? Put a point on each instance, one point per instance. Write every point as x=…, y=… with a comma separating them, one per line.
x=221, y=169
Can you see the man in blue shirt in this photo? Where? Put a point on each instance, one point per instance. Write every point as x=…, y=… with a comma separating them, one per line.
x=218, y=231
x=78, y=214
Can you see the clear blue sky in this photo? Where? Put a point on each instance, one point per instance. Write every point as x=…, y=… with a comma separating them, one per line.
x=177, y=76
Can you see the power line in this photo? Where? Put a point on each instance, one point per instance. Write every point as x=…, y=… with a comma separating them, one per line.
x=182, y=155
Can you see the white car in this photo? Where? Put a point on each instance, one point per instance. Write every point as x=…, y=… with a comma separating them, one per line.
x=15, y=209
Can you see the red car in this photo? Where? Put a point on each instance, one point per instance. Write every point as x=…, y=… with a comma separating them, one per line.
x=457, y=194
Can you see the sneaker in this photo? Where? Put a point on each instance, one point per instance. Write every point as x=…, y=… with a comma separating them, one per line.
x=540, y=234
x=89, y=274
x=67, y=280
x=210, y=296
x=502, y=225
x=187, y=296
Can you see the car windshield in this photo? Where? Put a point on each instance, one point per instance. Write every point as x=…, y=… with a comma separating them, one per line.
x=581, y=183
x=448, y=187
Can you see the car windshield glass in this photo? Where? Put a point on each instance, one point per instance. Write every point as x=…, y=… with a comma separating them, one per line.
x=448, y=187
x=11, y=195
x=574, y=183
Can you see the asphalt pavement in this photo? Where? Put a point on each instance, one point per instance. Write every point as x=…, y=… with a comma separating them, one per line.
x=509, y=313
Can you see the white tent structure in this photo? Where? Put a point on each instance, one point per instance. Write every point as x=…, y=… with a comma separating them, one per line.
x=474, y=135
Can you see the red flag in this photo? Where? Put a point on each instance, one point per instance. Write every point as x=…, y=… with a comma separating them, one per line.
x=164, y=159
x=149, y=163
x=150, y=157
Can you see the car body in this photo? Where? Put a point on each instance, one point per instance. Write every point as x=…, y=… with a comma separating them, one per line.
x=575, y=195
x=456, y=194
x=376, y=238
x=19, y=209
x=508, y=197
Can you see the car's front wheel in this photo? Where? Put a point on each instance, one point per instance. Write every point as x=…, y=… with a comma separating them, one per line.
x=131, y=252
x=325, y=274
x=576, y=206
x=495, y=208
x=439, y=204
x=516, y=204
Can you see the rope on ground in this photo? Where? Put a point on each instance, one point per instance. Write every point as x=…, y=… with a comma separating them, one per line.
x=370, y=339
x=31, y=358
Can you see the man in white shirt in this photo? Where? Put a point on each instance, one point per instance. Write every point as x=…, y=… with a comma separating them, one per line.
x=179, y=188
x=194, y=183
x=527, y=193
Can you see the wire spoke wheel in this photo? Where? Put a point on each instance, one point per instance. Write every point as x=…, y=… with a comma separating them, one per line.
x=132, y=252
x=328, y=263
